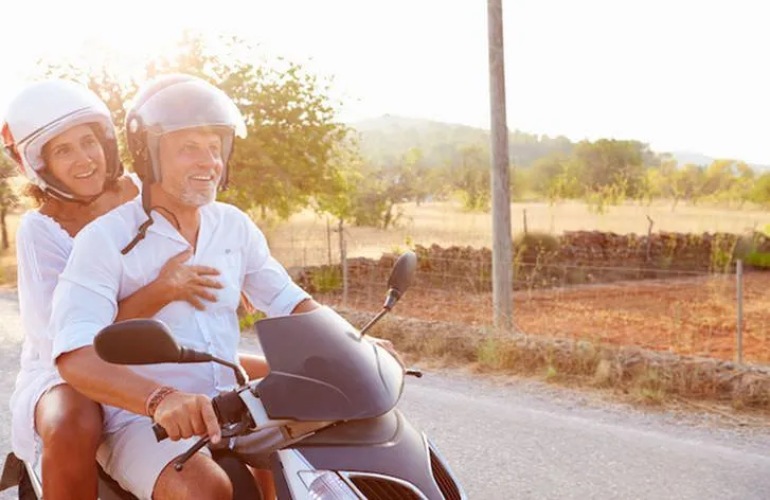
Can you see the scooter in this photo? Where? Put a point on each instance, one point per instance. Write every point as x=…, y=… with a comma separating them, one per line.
x=331, y=393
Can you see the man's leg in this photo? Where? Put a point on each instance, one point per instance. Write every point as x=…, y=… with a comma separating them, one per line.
x=200, y=478
x=143, y=466
x=266, y=483
x=70, y=428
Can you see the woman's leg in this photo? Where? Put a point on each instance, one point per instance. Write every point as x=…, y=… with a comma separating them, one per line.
x=265, y=479
x=70, y=427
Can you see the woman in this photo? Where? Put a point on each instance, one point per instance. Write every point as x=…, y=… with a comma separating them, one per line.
x=61, y=137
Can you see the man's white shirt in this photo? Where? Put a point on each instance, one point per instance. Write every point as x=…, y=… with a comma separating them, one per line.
x=98, y=276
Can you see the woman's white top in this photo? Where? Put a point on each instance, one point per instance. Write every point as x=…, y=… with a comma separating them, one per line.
x=42, y=250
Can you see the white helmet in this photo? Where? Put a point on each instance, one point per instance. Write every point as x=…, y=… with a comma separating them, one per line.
x=175, y=102
x=42, y=111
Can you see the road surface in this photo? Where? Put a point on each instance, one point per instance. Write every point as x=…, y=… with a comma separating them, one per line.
x=507, y=438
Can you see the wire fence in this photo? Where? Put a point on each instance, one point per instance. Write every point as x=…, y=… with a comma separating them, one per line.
x=723, y=315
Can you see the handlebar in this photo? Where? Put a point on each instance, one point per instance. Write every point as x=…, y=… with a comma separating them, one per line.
x=159, y=431
x=228, y=407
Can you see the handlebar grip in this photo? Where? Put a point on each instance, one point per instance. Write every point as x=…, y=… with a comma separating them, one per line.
x=227, y=406
x=160, y=432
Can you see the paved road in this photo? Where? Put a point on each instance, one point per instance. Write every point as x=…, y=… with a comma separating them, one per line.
x=522, y=439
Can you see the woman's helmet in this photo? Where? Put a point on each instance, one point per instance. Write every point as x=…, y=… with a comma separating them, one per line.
x=178, y=102
x=42, y=111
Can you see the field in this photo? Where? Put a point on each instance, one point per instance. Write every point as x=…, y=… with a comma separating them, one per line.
x=694, y=316
x=691, y=316
x=303, y=240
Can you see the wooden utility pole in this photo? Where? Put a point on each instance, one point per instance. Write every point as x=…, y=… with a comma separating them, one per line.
x=502, y=254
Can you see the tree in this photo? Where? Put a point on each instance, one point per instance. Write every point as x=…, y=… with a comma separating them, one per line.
x=545, y=171
x=471, y=177
x=717, y=179
x=519, y=182
x=664, y=182
x=741, y=188
x=8, y=198
x=292, y=130
x=337, y=197
x=689, y=182
x=360, y=193
x=611, y=164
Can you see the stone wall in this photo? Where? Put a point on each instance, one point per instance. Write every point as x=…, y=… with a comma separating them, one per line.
x=542, y=261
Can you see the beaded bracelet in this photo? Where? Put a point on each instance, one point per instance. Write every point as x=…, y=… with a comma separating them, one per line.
x=155, y=398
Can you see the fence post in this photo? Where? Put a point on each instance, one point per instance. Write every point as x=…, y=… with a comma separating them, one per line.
x=344, y=266
x=525, y=221
x=329, y=240
x=739, y=299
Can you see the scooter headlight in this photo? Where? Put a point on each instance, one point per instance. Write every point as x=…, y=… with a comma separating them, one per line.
x=326, y=485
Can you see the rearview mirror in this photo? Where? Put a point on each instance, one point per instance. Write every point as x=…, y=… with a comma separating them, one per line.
x=402, y=275
x=401, y=278
x=137, y=342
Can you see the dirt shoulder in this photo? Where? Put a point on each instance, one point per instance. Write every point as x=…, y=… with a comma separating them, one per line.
x=738, y=393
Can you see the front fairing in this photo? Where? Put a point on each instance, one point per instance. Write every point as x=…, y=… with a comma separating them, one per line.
x=320, y=369
x=386, y=455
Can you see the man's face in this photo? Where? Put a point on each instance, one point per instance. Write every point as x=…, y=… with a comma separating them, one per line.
x=191, y=165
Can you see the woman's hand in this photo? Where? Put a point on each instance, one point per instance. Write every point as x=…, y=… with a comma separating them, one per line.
x=192, y=284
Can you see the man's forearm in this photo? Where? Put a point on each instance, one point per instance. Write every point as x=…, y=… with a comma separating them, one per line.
x=104, y=382
x=306, y=305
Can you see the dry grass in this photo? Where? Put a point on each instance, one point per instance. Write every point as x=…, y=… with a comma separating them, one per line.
x=641, y=376
x=303, y=239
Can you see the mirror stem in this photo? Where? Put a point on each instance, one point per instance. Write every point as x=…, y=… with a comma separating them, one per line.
x=390, y=301
x=392, y=298
x=373, y=321
x=240, y=374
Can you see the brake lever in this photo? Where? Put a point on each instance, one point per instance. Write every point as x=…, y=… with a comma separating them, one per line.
x=415, y=372
x=227, y=433
x=237, y=429
x=179, y=462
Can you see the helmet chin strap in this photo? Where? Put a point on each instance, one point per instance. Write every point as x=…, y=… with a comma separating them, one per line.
x=146, y=224
x=80, y=200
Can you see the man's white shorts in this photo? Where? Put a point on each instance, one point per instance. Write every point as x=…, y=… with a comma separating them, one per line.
x=134, y=458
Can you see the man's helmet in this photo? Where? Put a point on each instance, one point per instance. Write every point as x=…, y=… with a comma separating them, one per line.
x=42, y=111
x=177, y=102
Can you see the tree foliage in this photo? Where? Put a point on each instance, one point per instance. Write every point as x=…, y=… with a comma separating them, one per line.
x=293, y=134
x=8, y=198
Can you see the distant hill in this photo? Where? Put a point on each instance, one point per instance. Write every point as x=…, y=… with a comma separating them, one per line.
x=686, y=157
x=386, y=139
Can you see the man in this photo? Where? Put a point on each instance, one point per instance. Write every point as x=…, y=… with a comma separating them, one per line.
x=180, y=133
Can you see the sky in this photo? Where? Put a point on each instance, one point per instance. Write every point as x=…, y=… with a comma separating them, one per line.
x=681, y=75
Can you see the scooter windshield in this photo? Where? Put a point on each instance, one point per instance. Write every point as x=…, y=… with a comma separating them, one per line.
x=321, y=370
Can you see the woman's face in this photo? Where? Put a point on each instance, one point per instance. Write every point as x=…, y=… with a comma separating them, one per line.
x=76, y=159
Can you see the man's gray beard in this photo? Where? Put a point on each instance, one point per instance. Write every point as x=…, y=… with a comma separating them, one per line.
x=198, y=198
